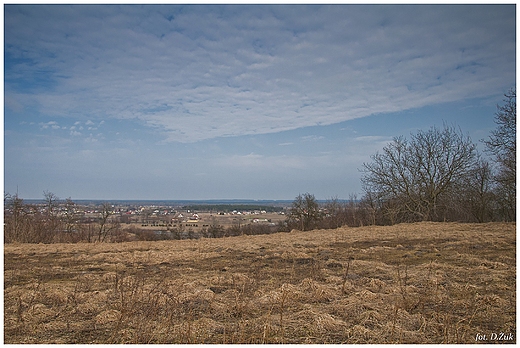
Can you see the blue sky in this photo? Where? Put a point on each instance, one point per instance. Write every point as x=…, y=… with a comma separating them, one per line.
x=237, y=101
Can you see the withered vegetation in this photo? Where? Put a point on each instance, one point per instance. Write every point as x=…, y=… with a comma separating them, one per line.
x=408, y=283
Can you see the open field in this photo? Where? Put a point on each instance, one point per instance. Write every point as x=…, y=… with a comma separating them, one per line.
x=408, y=283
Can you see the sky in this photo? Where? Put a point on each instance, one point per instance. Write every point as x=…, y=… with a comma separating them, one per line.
x=238, y=101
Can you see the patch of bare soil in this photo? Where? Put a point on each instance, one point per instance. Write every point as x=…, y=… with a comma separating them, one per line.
x=409, y=283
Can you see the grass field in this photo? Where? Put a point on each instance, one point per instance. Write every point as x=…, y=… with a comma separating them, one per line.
x=409, y=283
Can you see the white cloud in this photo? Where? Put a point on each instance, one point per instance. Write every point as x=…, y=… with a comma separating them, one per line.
x=372, y=139
x=226, y=71
x=312, y=137
x=50, y=124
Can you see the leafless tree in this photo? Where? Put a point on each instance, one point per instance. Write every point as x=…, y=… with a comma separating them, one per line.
x=51, y=202
x=335, y=214
x=369, y=207
x=305, y=212
x=479, y=192
x=411, y=178
x=14, y=218
x=50, y=226
x=105, y=225
x=473, y=199
x=502, y=145
x=70, y=215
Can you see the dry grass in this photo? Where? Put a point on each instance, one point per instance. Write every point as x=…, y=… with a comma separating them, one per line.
x=409, y=283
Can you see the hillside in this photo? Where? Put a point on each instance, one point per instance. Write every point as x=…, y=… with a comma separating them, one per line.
x=408, y=283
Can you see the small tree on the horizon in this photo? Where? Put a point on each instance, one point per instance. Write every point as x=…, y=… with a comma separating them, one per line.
x=14, y=219
x=305, y=213
x=105, y=226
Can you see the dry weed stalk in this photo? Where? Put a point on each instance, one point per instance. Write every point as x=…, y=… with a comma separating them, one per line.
x=282, y=302
x=345, y=277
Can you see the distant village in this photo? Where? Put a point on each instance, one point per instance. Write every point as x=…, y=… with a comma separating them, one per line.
x=162, y=218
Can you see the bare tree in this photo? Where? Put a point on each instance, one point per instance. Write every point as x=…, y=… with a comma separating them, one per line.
x=305, y=212
x=502, y=145
x=369, y=206
x=105, y=225
x=73, y=230
x=477, y=193
x=70, y=215
x=14, y=218
x=334, y=214
x=50, y=227
x=51, y=202
x=412, y=177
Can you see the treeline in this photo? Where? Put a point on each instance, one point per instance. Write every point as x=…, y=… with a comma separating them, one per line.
x=62, y=221
x=438, y=175
x=56, y=222
x=435, y=175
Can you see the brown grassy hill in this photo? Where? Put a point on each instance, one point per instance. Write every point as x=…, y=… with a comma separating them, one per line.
x=409, y=283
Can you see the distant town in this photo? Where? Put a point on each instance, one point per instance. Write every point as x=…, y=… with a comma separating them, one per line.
x=151, y=220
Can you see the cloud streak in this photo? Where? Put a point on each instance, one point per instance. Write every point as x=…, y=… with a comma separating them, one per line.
x=201, y=72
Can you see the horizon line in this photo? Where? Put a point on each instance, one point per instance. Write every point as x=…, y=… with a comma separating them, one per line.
x=184, y=200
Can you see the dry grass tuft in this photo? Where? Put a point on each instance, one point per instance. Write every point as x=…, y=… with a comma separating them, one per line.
x=409, y=283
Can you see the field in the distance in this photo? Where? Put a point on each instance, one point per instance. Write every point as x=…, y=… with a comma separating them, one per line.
x=409, y=283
